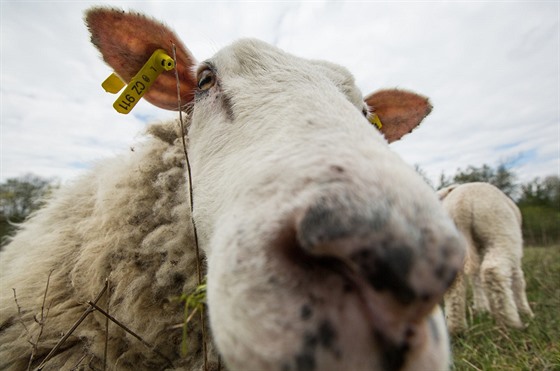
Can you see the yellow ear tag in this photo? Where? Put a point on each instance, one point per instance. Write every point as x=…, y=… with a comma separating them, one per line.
x=140, y=83
x=374, y=119
x=113, y=84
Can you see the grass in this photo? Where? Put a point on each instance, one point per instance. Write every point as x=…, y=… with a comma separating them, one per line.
x=485, y=346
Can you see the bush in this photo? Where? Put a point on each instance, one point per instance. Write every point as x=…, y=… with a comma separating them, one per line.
x=541, y=225
x=19, y=197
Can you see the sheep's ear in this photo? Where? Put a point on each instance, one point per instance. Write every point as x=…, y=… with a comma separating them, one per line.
x=126, y=42
x=444, y=192
x=399, y=111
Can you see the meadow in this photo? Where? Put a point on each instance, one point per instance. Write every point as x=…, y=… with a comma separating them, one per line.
x=485, y=346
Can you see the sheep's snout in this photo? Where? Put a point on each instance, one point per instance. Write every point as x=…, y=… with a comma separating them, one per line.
x=400, y=266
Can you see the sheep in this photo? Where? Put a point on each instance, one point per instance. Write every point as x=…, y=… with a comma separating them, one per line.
x=323, y=249
x=491, y=224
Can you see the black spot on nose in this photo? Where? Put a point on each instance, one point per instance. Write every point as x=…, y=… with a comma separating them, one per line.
x=387, y=268
x=323, y=338
x=305, y=362
x=337, y=216
x=327, y=334
x=393, y=356
x=306, y=312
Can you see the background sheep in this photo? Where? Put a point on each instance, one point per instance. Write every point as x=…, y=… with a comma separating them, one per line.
x=491, y=224
x=324, y=250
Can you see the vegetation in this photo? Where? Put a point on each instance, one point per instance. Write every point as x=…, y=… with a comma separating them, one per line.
x=485, y=346
x=19, y=197
x=501, y=177
x=540, y=206
x=194, y=302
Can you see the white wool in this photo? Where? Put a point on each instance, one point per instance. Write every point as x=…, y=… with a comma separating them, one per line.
x=124, y=221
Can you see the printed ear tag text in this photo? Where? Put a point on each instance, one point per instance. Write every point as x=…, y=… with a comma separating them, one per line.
x=140, y=83
x=374, y=119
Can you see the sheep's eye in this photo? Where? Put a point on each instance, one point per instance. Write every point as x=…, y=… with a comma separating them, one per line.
x=365, y=112
x=206, y=79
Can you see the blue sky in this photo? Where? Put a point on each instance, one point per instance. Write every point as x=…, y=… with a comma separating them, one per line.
x=491, y=70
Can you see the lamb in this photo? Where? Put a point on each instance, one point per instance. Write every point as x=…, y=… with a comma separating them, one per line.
x=491, y=224
x=323, y=249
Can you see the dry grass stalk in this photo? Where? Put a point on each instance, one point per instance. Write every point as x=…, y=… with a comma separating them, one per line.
x=106, y=333
x=121, y=325
x=75, y=367
x=41, y=322
x=92, y=306
x=198, y=263
x=19, y=313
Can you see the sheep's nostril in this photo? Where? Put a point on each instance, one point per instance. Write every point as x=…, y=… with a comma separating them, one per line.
x=406, y=259
x=387, y=269
x=352, y=234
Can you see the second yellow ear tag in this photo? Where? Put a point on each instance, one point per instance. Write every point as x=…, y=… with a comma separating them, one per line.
x=140, y=83
x=374, y=119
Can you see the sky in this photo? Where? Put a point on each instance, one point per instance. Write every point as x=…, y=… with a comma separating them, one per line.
x=490, y=68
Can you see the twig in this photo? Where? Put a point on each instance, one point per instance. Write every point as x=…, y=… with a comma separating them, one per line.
x=113, y=319
x=73, y=328
x=176, y=327
x=198, y=268
x=45, y=297
x=40, y=322
x=106, y=334
x=191, y=315
x=19, y=313
x=75, y=367
x=183, y=135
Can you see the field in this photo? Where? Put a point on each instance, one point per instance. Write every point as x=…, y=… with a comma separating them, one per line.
x=488, y=347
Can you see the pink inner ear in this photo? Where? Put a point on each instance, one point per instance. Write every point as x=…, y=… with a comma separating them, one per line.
x=399, y=111
x=127, y=40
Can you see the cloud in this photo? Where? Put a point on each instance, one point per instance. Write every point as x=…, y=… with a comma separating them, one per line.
x=489, y=68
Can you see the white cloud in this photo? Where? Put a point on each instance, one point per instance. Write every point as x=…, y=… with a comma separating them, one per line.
x=491, y=70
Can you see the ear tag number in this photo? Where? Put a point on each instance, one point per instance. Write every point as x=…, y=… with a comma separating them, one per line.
x=140, y=83
x=374, y=119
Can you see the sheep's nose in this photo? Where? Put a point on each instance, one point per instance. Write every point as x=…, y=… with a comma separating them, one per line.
x=403, y=261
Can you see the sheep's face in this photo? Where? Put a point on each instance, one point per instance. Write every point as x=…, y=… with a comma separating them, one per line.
x=325, y=251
